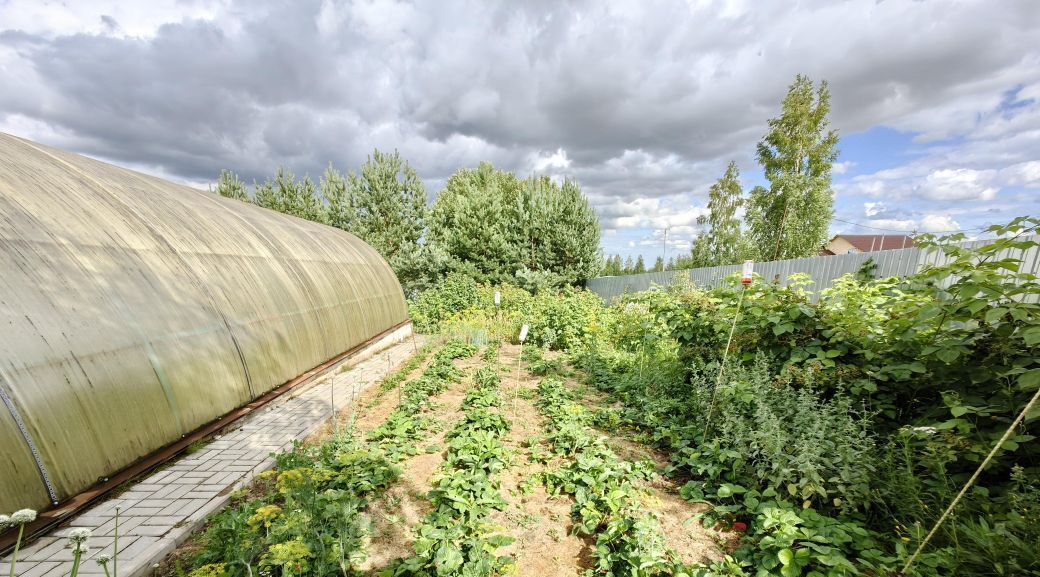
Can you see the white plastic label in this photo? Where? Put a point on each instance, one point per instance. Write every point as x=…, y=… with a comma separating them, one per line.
x=523, y=333
x=498, y=298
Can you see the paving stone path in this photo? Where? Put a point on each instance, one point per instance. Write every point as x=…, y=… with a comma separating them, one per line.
x=162, y=509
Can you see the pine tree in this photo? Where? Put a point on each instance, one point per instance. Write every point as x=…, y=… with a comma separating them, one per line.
x=388, y=211
x=684, y=262
x=562, y=236
x=790, y=219
x=629, y=268
x=498, y=228
x=659, y=264
x=229, y=186
x=339, y=211
x=721, y=243
x=477, y=219
x=640, y=266
x=285, y=194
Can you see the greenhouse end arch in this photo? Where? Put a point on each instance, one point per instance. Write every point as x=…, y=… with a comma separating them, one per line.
x=134, y=311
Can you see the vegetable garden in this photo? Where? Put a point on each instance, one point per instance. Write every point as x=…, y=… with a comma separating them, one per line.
x=827, y=437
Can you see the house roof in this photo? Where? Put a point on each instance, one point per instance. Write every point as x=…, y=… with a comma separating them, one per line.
x=875, y=242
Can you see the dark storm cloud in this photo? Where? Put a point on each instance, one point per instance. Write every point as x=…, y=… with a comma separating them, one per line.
x=645, y=99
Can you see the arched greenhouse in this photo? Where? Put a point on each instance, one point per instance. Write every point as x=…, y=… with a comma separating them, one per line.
x=134, y=310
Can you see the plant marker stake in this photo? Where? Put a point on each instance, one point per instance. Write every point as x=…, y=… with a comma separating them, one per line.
x=971, y=481
x=498, y=311
x=332, y=400
x=745, y=280
x=519, y=359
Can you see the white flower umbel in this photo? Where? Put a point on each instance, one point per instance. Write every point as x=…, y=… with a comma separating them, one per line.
x=23, y=516
x=5, y=520
x=79, y=536
x=103, y=560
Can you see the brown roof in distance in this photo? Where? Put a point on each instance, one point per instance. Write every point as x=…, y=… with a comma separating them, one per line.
x=875, y=242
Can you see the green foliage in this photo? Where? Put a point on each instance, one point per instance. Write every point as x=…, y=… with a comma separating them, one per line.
x=612, y=266
x=306, y=516
x=436, y=305
x=722, y=243
x=790, y=219
x=395, y=379
x=497, y=228
x=290, y=196
x=561, y=232
x=854, y=419
x=388, y=210
x=562, y=319
x=338, y=209
x=308, y=519
x=454, y=538
x=607, y=498
x=474, y=220
x=229, y=186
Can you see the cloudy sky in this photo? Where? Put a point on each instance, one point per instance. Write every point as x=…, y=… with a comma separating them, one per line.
x=643, y=102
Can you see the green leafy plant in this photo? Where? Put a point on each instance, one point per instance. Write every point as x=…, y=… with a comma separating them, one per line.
x=454, y=538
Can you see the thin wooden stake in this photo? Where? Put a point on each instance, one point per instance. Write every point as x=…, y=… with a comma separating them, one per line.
x=971, y=481
x=332, y=399
x=722, y=367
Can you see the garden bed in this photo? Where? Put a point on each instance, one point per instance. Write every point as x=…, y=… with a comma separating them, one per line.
x=525, y=524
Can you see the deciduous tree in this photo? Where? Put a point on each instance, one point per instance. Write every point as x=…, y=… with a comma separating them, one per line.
x=790, y=219
x=720, y=241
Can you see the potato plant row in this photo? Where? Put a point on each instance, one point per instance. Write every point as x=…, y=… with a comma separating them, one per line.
x=608, y=501
x=455, y=537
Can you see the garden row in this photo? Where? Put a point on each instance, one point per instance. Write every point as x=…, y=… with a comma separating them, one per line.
x=455, y=537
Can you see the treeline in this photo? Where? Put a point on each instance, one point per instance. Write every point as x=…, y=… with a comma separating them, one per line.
x=614, y=266
x=788, y=219
x=488, y=224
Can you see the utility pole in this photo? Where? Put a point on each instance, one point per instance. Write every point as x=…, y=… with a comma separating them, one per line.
x=664, y=248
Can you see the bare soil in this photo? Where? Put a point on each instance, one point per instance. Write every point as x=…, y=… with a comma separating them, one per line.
x=539, y=523
x=538, y=550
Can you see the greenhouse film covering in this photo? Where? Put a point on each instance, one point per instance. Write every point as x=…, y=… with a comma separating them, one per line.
x=134, y=310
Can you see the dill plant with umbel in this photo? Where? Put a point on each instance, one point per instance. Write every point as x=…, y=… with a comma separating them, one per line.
x=19, y=519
